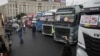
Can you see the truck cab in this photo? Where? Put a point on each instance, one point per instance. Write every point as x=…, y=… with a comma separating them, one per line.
x=48, y=25
x=66, y=24
x=89, y=32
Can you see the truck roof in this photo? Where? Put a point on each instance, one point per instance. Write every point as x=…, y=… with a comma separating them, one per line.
x=91, y=9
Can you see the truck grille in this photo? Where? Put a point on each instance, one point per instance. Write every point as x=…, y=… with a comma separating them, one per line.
x=92, y=45
x=47, y=29
x=59, y=32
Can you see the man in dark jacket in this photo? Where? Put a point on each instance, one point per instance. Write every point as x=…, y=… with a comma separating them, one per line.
x=33, y=30
x=67, y=48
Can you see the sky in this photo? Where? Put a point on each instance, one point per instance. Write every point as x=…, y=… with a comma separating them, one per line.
x=84, y=2
x=2, y=2
x=72, y=2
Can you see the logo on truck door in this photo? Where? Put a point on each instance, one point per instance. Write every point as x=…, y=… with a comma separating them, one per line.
x=96, y=35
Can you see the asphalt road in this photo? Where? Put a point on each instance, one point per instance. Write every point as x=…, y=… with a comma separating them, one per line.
x=39, y=46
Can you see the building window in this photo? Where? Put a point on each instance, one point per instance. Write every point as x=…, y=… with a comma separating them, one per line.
x=33, y=0
x=44, y=0
x=13, y=5
x=16, y=5
x=24, y=8
x=10, y=5
x=54, y=7
x=39, y=4
x=39, y=8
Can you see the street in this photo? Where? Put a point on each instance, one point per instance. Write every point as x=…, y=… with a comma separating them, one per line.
x=39, y=46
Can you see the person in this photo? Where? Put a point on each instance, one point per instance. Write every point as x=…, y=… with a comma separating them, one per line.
x=67, y=19
x=24, y=29
x=67, y=48
x=20, y=29
x=2, y=46
x=8, y=30
x=13, y=26
x=33, y=30
x=24, y=26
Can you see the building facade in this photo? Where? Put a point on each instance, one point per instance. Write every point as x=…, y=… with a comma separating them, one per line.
x=15, y=7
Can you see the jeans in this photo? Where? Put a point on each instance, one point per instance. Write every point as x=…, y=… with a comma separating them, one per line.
x=24, y=29
x=33, y=34
x=67, y=50
x=21, y=39
x=14, y=28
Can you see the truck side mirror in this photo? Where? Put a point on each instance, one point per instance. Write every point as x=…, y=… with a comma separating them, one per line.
x=81, y=6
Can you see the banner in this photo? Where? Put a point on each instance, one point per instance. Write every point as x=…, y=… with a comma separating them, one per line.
x=89, y=20
x=94, y=19
x=85, y=19
x=3, y=2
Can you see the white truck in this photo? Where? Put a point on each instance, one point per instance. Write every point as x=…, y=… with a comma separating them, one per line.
x=89, y=32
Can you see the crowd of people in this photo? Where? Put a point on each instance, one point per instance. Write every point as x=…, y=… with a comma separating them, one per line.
x=19, y=28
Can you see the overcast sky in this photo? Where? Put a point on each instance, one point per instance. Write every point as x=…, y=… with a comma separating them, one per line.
x=2, y=2
x=72, y=2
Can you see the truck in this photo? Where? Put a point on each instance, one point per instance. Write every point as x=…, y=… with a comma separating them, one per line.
x=39, y=21
x=66, y=24
x=48, y=25
x=89, y=32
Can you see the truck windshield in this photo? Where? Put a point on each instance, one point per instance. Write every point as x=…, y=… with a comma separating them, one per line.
x=64, y=18
x=39, y=15
x=90, y=21
x=49, y=18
